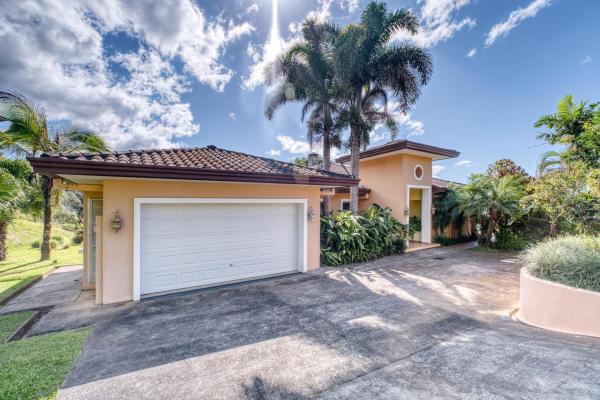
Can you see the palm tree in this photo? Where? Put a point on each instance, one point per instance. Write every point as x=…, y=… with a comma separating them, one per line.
x=364, y=58
x=305, y=74
x=548, y=162
x=14, y=184
x=28, y=134
x=492, y=199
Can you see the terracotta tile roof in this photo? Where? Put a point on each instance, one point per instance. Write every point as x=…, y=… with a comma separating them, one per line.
x=437, y=153
x=209, y=160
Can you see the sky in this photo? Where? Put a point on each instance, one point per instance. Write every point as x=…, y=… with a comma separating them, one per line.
x=171, y=73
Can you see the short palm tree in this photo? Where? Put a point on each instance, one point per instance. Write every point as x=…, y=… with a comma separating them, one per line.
x=492, y=199
x=305, y=74
x=28, y=134
x=365, y=58
x=14, y=185
x=548, y=162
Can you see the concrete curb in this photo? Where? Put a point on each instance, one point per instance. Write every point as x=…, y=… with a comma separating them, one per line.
x=22, y=330
x=21, y=290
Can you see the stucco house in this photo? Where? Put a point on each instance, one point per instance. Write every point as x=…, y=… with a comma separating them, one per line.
x=162, y=221
x=397, y=175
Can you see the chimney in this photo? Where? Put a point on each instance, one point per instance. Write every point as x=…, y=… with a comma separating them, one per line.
x=313, y=160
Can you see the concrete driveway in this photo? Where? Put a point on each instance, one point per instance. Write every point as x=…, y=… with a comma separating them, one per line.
x=431, y=324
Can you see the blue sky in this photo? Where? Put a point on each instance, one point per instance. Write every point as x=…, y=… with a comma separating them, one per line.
x=183, y=72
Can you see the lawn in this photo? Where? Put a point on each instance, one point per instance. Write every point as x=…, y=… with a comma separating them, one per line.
x=10, y=322
x=34, y=368
x=23, y=265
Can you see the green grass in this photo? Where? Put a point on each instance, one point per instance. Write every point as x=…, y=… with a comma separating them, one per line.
x=22, y=264
x=10, y=322
x=34, y=368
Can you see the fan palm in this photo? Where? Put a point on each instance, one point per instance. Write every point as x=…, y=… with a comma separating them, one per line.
x=305, y=74
x=14, y=184
x=364, y=57
x=492, y=198
x=28, y=134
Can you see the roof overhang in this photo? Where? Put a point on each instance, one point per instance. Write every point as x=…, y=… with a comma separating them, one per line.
x=56, y=167
x=404, y=147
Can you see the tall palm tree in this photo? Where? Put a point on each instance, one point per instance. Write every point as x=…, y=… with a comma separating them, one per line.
x=305, y=74
x=364, y=57
x=28, y=134
x=15, y=178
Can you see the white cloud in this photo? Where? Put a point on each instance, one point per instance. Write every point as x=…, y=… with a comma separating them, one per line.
x=414, y=127
x=54, y=52
x=292, y=145
x=438, y=22
x=587, y=60
x=231, y=115
x=436, y=169
x=502, y=29
x=472, y=53
x=350, y=5
x=252, y=8
x=274, y=153
x=463, y=163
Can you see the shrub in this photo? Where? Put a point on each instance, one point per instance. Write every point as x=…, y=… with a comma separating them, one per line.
x=36, y=244
x=53, y=244
x=570, y=260
x=347, y=238
x=446, y=241
x=509, y=240
x=58, y=239
x=78, y=235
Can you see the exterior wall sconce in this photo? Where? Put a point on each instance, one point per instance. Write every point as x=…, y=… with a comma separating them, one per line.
x=310, y=214
x=116, y=222
x=432, y=209
x=406, y=211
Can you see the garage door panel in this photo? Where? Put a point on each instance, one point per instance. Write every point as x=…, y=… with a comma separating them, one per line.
x=188, y=245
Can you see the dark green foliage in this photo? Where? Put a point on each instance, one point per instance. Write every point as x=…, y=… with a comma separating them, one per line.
x=506, y=239
x=78, y=236
x=446, y=241
x=347, y=238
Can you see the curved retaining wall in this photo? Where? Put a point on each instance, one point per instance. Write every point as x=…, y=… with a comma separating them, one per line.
x=558, y=307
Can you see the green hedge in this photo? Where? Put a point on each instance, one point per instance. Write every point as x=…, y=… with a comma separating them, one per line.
x=347, y=238
x=570, y=260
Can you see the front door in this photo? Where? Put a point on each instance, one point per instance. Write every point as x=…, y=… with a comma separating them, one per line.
x=94, y=210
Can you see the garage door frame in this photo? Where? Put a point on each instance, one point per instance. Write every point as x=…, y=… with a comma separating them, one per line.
x=139, y=201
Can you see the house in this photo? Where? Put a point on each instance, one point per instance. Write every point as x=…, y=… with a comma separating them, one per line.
x=160, y=221
x=398, y=175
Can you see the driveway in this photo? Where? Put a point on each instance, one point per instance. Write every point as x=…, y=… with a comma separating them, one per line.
x=430, y=324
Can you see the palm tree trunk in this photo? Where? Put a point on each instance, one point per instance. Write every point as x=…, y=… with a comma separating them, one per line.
x=355, y=154
x=3, y=237
x=328, y=125
x=47, y=193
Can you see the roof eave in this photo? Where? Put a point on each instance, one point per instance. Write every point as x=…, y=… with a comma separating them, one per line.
x=403, y=145
x=52, y=167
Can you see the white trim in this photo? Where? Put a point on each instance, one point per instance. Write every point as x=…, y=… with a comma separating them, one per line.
x=415, y=172
x=425, y=210
x=137, y=205
x=342, y=201
x=88, y=240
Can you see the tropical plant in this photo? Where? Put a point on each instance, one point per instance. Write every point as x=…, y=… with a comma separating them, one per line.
x=305, y=74
x=568, y=197
x=29, y=134
x=494, y=201
x=577, y=126
x=348, y=238
x=505, y=167
x=365, y=60
x=548, y=162
x=570, y=260
x=14, y=185
x=447, y=211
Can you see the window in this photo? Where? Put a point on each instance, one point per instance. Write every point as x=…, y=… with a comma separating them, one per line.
x=345, y=205
x=418, y=172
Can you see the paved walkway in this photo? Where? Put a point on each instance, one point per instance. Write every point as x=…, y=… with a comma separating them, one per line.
x=425, y=325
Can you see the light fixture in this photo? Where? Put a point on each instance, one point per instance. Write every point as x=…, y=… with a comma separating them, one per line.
x=432, y=209
x=310, y=215
x=116, y=222
x=406, y=210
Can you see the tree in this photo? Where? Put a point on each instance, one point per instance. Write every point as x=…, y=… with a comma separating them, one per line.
x=505, y=167
x=548, y=162
x=365, y=59
x=28, y=134
x=568, y=197
x=447, y=211
x=491, y=199
x=305, y=74
x=577, y=126
x=14, y=184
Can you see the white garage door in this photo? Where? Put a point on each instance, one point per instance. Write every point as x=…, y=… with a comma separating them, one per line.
x=184, y=246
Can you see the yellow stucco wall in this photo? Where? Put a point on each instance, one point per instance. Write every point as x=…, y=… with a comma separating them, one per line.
x=117, y=279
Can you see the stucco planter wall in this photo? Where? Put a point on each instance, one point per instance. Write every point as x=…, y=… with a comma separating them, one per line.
x=558, y=307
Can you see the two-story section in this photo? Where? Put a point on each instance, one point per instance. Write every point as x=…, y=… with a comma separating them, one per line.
x=397, y=175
